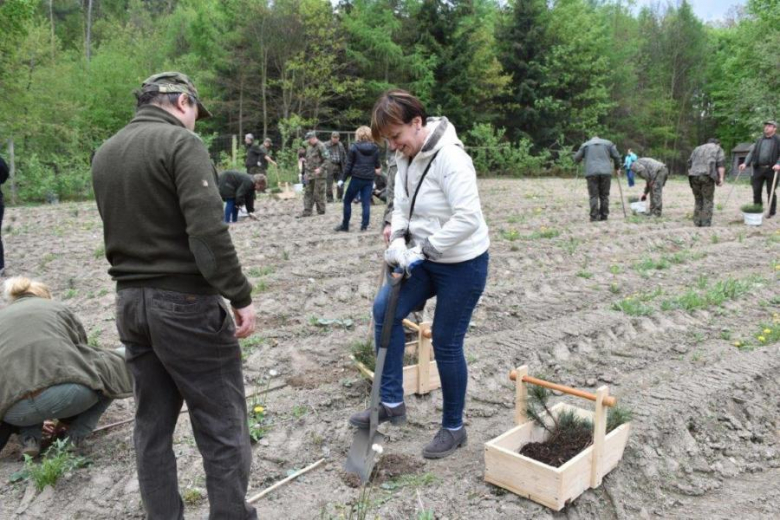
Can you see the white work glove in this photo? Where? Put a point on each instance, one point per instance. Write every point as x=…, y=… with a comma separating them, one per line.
x=392, y=253
x=340, y=184
x=408, y=259
x=397, y=255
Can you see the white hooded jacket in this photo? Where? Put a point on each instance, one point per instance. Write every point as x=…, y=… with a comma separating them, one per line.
x=447, y=220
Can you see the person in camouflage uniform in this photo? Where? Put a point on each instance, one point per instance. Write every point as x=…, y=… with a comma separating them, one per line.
x=706, y=169
x=655, y=174
x=315, y=169
x=335, y=166
x=260, y=172
x=253, y=153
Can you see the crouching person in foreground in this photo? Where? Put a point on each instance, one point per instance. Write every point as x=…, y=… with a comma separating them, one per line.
x=49, y=369
x=437, y=206
x=173, y=260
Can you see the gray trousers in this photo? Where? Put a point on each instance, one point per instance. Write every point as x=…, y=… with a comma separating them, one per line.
x=181, y=347
x=79, y=405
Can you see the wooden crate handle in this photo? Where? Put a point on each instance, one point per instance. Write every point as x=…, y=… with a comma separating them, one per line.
x=609, y=401
x=426, y=332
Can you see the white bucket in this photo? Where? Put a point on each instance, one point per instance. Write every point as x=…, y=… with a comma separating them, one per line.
x=638, y=207
x=753, y=219
x=298, y=188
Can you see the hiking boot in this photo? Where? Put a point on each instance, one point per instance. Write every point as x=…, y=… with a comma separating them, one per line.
x=341, y=228
x=445, y=443
x=396, y=416
x=31, y=446
x=303, y=215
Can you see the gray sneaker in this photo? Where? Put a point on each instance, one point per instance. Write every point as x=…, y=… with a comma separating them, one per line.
x=395, y=415
x=445, y=443
x=31, y=446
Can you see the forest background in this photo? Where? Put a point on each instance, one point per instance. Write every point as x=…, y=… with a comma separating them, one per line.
x=524, y=81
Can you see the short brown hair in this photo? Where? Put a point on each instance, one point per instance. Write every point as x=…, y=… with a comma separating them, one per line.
x=363, y=134
x=395, y=107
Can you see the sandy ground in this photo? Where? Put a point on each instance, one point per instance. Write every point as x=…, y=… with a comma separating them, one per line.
x=705, y=441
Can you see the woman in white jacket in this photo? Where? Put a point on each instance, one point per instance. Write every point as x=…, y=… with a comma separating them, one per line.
x=440, y=239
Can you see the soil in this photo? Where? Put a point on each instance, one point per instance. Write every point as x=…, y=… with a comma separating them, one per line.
x=558, y=450
x=705, y=438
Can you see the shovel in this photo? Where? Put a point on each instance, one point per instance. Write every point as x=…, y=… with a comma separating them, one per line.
x=361, y=456
x=620, y=188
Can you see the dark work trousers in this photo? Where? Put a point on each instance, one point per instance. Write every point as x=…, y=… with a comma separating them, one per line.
x=598, y=191
x=2, y=251
x=760, y=176
x=181, y=347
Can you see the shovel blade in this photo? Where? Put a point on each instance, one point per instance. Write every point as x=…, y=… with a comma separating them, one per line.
x=361, y=456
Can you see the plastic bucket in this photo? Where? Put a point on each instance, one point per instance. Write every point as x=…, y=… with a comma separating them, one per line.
x=298, y=188
x=638, y=207
x=753, y=219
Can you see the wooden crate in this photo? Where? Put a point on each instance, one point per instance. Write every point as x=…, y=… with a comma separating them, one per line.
x=547, y=485
x=422, y=377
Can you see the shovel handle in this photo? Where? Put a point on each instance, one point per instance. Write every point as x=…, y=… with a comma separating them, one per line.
x=608, y=401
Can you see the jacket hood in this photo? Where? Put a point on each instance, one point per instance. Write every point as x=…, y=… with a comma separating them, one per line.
x=366, y=147
x=440, y=133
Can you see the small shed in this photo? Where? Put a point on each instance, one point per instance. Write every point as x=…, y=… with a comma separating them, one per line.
x=738, y=156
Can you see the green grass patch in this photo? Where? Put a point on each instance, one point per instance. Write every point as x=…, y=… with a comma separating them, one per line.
x=710, y=296
x=58, y=460
x=585, y=274
x=510, y=234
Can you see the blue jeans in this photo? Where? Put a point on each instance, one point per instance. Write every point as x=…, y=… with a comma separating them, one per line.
x=64, y=401
x=457, y=288
x=231, y=210
x=630, y=177
x=356, y=187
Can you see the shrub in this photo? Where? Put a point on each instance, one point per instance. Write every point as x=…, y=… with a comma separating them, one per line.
x=494, y=155
x=752, y=208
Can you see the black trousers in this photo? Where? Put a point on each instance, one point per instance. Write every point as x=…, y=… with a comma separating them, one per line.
x=760, y=176
x=598, y=191
x=181, y=347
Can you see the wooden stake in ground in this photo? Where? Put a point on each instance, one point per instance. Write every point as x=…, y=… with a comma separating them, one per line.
x=771, y=193
x=620, y=188
x=734, y=185
x=285, y=481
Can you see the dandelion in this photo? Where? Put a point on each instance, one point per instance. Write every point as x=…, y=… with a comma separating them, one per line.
x=737, y=343
x=259, y=409
x=761, y=339
x=767, y=331
x=377, y=448
x=777, y=267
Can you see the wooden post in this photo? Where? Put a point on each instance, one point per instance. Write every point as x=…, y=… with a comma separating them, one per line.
x=234, y=150
x=424, y=344
x=599, y=433
x=521, y=395
x=12, y=169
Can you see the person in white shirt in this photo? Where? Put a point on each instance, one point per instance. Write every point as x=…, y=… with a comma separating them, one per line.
x=439, y=238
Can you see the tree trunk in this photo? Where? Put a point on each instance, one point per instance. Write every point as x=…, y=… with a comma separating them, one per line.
x=12, y=172
x=51, y=21
x=241, y=105
x=89, y=31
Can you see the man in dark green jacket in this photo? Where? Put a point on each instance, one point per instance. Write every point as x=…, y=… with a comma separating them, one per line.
x=601, y=160
x=173, y=260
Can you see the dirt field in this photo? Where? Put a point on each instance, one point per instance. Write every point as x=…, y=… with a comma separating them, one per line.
x=705, y=440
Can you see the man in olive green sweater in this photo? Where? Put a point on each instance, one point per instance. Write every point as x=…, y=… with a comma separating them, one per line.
x=173, y=260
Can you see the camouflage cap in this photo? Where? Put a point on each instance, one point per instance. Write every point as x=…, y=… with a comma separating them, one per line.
x=771, y=122
x=310, y=134
x=173, y=82
x=334, y=134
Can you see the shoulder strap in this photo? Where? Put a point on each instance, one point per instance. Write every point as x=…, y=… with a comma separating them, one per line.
x=419, y=184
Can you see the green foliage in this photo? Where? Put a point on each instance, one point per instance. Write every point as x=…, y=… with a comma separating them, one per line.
x=524, y=82
x=494, y=156
x=363, y=351
x=720, y=292
x=752, y=208
x=58, y=460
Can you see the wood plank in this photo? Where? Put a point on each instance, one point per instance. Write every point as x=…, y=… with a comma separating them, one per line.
x=599, y=432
